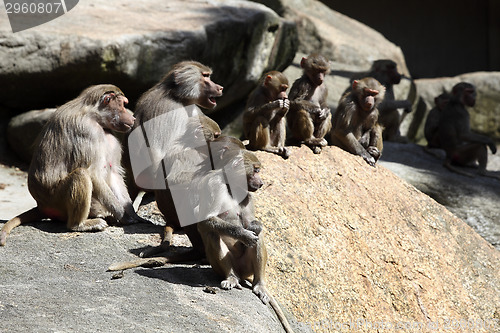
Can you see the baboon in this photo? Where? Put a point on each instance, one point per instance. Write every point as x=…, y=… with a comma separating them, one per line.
x=386, y=72
x=264, y=122
x=431, y=131
x=234, y=240
x=232, y=237
x=355, y=127
x=461, y=145
x=309, y=118
x=187, y=83
x=75, y=173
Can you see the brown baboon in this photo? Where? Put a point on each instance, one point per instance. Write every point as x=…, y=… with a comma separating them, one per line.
x=232, y=237
x=386, y=72
x=355, y=127
x=187, y=83
x=431, y=130
x=309, y=118
x=75, y=173
x=461, y=145
x=234, y=240
x=264, y=122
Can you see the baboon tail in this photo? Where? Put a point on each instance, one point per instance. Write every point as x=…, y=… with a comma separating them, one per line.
x=281, y=316
x=31, y=215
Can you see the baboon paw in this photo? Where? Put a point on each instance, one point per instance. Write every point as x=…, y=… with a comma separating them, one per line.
x=250, y=238
x=285, y=152
x=97, y=224
x=261, y=292
x=230, y=283
x=154, y=250
x=316, y=149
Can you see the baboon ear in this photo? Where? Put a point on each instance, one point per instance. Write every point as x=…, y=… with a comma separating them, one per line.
x=303, y=62
x=268, y=78
x=355, y=84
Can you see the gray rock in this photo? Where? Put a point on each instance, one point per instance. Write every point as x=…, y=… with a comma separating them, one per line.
x=474, y=200
x=349, y=44
x=23, y=129
x=133, y=44
x=56, y=281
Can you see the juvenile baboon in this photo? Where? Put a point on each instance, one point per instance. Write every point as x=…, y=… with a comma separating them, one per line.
x=309, y=118
x=386, y=72
x=431, y=127
x=461, y=145
x=264, y=122
x=187, y=83
x=75, y=173
x=234, y=240
x=355, y=127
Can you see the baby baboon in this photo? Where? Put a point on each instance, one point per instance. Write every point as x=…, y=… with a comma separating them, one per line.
x=264, y=122
x=309, y=117
x=386, y=72
x=431, y=127
x=355, y=127
x=75, y=173
x=234, y=239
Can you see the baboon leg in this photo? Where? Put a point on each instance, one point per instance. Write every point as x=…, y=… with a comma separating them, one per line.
x=78, y=187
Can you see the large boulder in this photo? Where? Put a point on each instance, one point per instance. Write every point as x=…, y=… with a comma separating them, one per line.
x=349, y=44
x=133, y=44
x=474, y=200
x=352, y=247
x=23, y=130
x=484, y=115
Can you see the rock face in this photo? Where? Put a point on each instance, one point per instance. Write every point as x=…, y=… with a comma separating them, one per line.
x=350, y=247
x=133, y=44
x=23, y=129
x=474, y=200
x=349, y=44
x=484, y=115
x=356, y=246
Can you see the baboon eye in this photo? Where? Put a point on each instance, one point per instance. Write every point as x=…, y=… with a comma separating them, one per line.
x=108, y=98
x=206, y=74
x=256, y=170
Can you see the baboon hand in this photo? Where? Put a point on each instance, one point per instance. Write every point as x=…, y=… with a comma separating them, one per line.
x=407, y=106
x=493, y=148
x=249, y=238
x=369, y=159
x=283, y=104
x=323, y=113
x=373, y=151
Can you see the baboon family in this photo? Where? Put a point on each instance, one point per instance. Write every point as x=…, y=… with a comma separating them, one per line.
x=76, y=173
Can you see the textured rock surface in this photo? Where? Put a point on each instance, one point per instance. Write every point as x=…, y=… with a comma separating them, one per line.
x=474, y=200
x=352, y=243
x=23, y=129
x=348, y=244
x=351, y=45
x=133, y=44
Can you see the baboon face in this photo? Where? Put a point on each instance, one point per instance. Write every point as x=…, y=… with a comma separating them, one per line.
x=113, y=112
